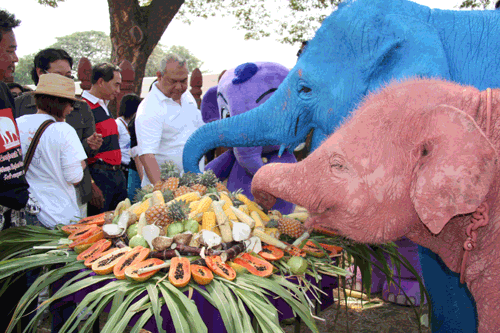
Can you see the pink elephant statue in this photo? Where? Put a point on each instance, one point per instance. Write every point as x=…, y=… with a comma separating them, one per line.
x=417, y=159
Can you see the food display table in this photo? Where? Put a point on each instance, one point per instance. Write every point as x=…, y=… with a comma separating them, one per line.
x=209, y=313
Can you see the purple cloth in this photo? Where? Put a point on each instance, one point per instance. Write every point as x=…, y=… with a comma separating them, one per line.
x=208, y=312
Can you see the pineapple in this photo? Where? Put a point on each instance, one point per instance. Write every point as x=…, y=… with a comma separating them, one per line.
x=167, y=194
x=169, y=169
x=158, y=215
x=188, y=179
x=291, y=227
x=208, y=178
x=171, y=183
x=202, y=189
x=178, y=211
x=182, y=190
x=221, y=187
x=141, y=192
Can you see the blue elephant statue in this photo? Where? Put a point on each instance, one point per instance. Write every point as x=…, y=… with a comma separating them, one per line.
x=239, y=90
x=359, y=48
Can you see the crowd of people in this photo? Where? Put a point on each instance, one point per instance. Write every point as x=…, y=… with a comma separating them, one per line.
x=64, y=157
x=115, y=155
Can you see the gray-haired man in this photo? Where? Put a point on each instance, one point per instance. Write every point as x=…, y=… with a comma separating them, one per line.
x=166, y=118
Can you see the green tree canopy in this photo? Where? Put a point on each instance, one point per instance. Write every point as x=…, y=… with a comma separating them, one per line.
x=22, y=75
x=93, y=45
x=138, y=25
x=96, y=46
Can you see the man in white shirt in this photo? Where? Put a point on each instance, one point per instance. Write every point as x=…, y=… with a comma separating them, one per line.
x=166, y=118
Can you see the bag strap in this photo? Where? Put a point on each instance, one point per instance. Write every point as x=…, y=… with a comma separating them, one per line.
x=125, y=124
x=34, y=143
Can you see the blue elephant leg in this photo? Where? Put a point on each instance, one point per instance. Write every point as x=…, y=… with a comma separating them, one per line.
x=453, y=308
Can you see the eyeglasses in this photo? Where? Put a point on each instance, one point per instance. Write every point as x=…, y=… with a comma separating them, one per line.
x=16, y=94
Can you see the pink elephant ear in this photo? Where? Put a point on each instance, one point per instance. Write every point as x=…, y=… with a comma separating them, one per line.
x=455, y=169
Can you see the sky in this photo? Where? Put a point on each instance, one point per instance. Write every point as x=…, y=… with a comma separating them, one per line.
x=214, y=41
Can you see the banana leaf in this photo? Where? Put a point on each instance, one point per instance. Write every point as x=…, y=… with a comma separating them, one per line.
x=238, y=301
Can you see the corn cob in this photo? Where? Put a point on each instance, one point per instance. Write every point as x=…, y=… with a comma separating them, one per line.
x=208, y=222
x=268, y=239
x=230, y=214
x=301, y=216
x=252, y=206
x=157, y=198
x=134, y=207
x=258, y=221
x=228, y=203
x=188, y=197
x=204, y=205
x=143, y=207
x=223, y=222
x=194, y=205
x=243, y=217
x=244, y=209
x=275, y=232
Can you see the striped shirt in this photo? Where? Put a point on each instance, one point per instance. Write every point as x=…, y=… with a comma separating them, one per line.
x=106, y=126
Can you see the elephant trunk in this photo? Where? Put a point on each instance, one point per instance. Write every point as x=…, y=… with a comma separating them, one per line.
x=254, y=128
x=278, y=180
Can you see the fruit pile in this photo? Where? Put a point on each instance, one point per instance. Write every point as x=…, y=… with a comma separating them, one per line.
x=193, y=216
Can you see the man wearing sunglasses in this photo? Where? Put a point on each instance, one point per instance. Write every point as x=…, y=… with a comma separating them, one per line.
x=58, y=61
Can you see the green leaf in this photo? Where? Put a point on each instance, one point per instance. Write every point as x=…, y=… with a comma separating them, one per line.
x=142, y=321
x=155, y=302
x=178, y=318
x=221, y=304
x=120, y=319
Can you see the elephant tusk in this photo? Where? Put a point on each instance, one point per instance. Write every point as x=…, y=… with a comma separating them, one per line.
x=282, y=150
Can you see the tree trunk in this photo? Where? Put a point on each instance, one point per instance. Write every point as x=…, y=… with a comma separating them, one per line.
x=136, y=30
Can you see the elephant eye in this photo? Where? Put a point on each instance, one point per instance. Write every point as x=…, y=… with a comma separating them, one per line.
x=337, y=163
x=305, y=90
x=224, y=113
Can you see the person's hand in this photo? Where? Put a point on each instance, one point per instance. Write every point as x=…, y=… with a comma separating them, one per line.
x=95, y=141
x=97, y=197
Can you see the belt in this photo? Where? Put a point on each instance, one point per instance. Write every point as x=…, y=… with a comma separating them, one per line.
x=105, y=166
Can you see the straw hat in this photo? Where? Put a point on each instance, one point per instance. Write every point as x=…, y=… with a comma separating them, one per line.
x=56, y=85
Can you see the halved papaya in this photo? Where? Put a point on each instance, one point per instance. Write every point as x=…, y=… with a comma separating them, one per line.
x=88, y=240
x=271, y=253
x=256, y=266
x=333, y=249
x=91, y=218
x=83, y=232
x=71, y=228
x=104, y=265
x=325, y=230
x=180, y=271
x=295, y=251
x=201, y=274
x=137, y=254
x=99, y=246
x=312, y=249
x=93, y=258
x=221, y=269
x=131, y=272
x=80, y=248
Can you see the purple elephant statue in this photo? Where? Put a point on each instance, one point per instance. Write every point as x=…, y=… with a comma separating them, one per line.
x=239, y=90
